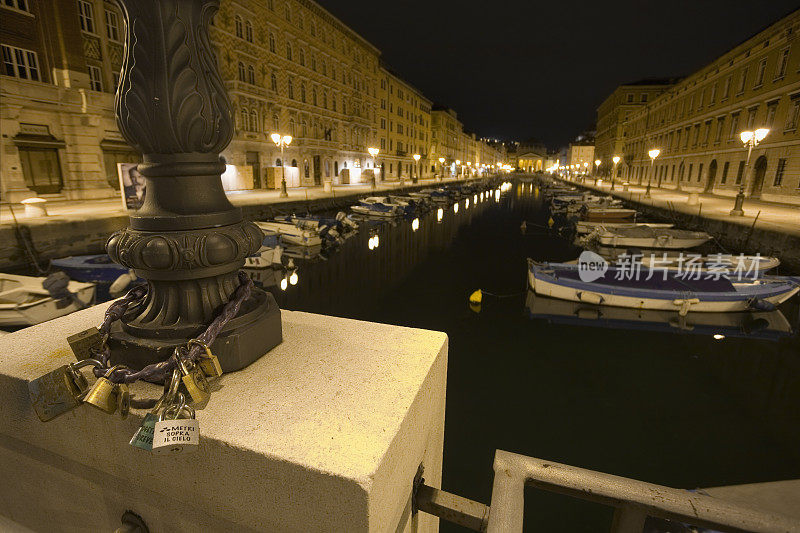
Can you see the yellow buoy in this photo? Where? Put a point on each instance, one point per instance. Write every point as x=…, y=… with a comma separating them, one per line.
x=476, y=297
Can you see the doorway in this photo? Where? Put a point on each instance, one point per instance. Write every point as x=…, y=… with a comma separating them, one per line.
x=712, y=176
x=252, y=160
x=759, y=172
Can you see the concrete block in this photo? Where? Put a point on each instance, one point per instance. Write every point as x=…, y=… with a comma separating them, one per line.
x=323, y=433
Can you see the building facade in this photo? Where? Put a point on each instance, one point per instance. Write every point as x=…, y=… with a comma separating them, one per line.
x=580, y=154
x=697, y=123
x=290, y=67
x=404, y=128
x=618, y=108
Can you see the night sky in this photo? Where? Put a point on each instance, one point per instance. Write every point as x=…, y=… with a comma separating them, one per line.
x=530, y=69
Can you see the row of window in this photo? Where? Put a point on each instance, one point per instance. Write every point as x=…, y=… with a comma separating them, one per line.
x=700, y=133
x=707, y=95
x=249, y=121
x=87, y=22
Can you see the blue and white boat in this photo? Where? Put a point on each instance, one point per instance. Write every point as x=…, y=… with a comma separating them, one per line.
x=665, y=290
x=98, y=268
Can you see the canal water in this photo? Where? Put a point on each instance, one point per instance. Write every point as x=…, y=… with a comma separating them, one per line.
x=670, y=404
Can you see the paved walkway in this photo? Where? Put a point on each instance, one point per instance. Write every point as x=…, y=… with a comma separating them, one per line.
x=778, y=217
x=69, y=210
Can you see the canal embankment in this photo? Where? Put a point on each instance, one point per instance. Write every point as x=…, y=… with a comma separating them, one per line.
x=767, y=229
x=79, y=228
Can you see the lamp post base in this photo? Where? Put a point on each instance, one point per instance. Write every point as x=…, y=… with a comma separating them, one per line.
x=284, y=191
x=647, y=191
x=738, y=206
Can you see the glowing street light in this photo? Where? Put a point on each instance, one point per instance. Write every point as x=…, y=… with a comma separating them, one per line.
x=750, y=139
x=416, y=166
x=596, y=169
x=655, y=152
x=282, y=141
x=374, y=153
x=616, y=160
x=441, y=168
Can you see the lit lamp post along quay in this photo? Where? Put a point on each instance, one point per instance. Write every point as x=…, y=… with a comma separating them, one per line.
x=416, y=168
x=615, y=159
x=282, y=142
x=751, y=139
x=441, y=166
x=597, y=163
x=655, y=152
x=374, y=153
x=188, y=241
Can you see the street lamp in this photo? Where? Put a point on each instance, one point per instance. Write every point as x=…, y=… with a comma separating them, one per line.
x=374, y=153
x=416, y=164
x=596, y=169
x=751, y=139
x=282, y=141
x=458, y=166
x=615, y=159
x=653, y=154
x=441, y=168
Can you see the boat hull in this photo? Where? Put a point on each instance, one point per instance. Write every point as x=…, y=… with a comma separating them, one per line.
x=600, y=294
x=651, y=242
x=41, y=307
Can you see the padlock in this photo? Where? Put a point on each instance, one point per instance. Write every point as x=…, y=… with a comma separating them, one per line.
x=194, y=381
x=85, y=343
x=173, y=434
x=123, y=400
x=59, y=391
x=143, y=438
x=104, y=394
x=209, y=363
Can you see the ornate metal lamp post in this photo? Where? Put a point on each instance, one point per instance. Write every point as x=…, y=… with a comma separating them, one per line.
x=187, y=240
x=655, y=152
x=441, y=166
x=416, y=165
x=282, y=141
x=751, y=139
x=597, y=163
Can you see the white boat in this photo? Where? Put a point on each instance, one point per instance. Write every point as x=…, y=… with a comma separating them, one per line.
x=608, y=213
x=377, y=209
x=266, y=257
x=292, y=234
x=585, y=226
x=684, y=262
x=648, y=237
x=25, y=302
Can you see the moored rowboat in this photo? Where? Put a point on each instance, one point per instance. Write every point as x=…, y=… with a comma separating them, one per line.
x=664, y=291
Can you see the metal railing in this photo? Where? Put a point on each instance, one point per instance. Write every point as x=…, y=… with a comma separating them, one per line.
x=634, y=500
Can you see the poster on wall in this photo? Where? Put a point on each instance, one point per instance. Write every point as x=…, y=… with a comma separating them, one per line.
x=131, y=186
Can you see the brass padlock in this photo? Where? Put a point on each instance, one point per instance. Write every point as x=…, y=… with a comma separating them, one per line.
x=85, y=343
x=59, y=391
x=194, y=381
x=104, y=394
x=209, y=363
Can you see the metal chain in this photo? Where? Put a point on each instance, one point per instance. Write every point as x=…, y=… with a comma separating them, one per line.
x=161, y=370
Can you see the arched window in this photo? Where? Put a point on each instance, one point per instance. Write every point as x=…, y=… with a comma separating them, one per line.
x=301, y=56
x=251, y=75
x=278, y=162
x=305, y=168
x=271, y=42
x=248, y=31
x=289, y=51
x=253, y=120
x=244, y=126
x=314, y=96
x=239, y=27
x=275, y=123
x=273, y=82
x=294, y=163
x=303, y=92
x=324, y=68
x=241, y=71
x=327, y=169
x=290, y=85
x=287, y=12
x=304, y=128
x=334, y=102
x=335, y=168
x=325, y=99
x=292, y=129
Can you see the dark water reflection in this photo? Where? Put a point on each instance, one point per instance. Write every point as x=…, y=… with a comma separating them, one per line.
x=675, y=406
